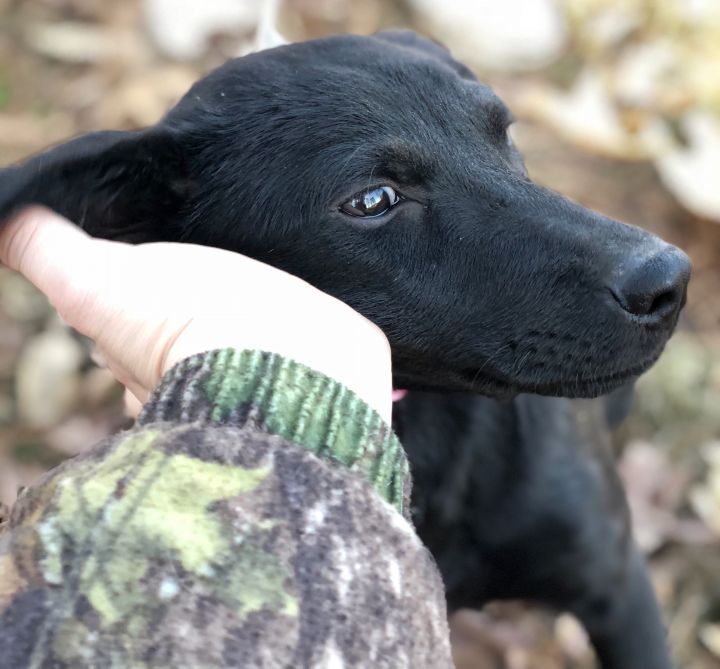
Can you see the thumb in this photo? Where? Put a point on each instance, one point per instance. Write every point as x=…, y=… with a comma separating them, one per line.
x=56, y=256
x=72, y=270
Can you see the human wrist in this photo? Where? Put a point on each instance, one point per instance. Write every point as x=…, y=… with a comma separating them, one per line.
x=281, y=396
x=351, y=350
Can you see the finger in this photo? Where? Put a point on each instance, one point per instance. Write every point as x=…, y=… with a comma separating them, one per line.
x=46, y=248
x=69, y=267
x=128, y=379
x=98, y=357
x=133, y=406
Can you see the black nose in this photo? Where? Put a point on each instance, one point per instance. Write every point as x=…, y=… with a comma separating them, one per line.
x=654, y=288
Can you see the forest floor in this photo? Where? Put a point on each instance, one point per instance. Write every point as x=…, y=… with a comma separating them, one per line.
x=71, y=66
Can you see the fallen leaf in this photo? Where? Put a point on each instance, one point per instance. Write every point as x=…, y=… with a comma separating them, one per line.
x=710, y=636
x=705, y=496
x=691, y=173
x=513, y=34
x=75, y=42
x=193, y=23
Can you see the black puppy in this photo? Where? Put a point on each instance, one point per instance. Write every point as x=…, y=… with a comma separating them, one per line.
x=521, y=500
x=381, y=171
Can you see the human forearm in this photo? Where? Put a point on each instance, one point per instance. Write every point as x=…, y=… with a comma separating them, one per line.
x=236, y=521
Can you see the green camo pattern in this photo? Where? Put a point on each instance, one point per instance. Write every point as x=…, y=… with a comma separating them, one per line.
x=205, y=537
x=283, y=397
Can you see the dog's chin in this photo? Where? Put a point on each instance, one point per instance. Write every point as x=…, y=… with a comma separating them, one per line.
x=574, y=384
x=502, y=381
x=480, y=382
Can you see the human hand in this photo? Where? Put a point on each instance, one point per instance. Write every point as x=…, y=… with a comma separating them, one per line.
x=149, y=306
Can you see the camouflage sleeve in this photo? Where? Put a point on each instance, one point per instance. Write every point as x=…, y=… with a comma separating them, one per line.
x=252, y=518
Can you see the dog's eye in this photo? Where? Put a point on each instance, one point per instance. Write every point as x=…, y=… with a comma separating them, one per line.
x=371, y=202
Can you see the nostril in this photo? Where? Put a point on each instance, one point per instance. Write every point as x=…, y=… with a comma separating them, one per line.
x=655, y=288
x=647, y=304
x=664, y=301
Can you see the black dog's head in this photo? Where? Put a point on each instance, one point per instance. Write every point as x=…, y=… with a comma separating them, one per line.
x=381, y=171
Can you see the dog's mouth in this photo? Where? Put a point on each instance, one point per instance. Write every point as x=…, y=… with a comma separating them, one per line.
x=571, y=386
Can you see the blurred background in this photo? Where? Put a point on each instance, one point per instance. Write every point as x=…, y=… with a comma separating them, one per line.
x=618, y=106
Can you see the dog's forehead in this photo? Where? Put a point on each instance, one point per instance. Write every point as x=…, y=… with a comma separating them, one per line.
x=373, y=80
x=350, y=103
x=376, y=64
x=378, y=74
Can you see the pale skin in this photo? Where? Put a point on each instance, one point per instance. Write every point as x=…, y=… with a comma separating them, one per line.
x=147, y=307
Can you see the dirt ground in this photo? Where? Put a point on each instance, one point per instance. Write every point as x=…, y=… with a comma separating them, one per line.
x=71, y=66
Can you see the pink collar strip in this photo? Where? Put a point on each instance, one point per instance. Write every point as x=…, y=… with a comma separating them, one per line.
x=397, y=395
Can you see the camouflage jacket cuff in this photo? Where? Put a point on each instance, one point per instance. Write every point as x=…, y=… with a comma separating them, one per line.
x=267, y=392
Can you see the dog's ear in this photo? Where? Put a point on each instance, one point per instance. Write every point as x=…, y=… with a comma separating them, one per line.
x=130, y=186
x=427, y=47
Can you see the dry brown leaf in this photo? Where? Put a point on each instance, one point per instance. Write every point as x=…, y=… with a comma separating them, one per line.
x=572, y=637
x=33, y=133
x=705, y=497
x=710, y=636
x=513, y=34
x=193, y=23
x=692, y=172
x=47, y=378
x=143, y=99
x=654, y=490
x=75, y=42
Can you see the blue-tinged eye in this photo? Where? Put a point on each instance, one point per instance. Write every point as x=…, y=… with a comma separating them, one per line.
x=371, y=202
